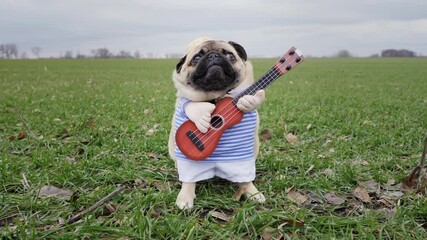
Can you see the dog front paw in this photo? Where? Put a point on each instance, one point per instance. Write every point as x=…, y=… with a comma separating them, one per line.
x=249, y=103
x=200, y=114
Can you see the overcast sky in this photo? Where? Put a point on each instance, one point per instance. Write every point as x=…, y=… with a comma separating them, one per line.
x=264, y=28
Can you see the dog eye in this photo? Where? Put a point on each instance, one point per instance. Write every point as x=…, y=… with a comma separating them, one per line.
x=196, y=58
x=230, y=57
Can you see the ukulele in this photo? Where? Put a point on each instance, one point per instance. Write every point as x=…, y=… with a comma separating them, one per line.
x=197, y=145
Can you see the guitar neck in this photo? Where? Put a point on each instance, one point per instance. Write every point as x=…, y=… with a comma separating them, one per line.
x=265, y=81
x=292, y=58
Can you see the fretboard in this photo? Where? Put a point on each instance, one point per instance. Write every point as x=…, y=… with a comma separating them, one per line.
x=267, y=79
x=292, y=58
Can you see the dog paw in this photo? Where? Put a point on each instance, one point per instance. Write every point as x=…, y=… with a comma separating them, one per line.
x=257, y=197
x=249, y=103
x=184, y=203
x=200, y=114
x=250, y=192
x=186, y=196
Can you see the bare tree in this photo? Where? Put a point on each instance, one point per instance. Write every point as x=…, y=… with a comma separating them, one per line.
x=2, y=50
x=8, y=50
x=68, y=54
x=124, y=54
x=36, y=51
x=78, y=55
x=343, y=54
x=137, y=55
x=101, y=53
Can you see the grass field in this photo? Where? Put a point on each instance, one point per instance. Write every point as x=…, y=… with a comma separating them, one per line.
x=89, y=126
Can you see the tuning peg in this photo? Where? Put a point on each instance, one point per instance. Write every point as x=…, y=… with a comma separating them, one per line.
x=282, y=60
x=288, y=67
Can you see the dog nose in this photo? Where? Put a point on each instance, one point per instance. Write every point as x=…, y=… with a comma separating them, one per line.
x=213, y=56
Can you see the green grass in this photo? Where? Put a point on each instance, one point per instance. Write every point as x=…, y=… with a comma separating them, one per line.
x=86, y=124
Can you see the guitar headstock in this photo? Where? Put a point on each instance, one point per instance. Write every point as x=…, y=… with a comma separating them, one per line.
x=292, y=58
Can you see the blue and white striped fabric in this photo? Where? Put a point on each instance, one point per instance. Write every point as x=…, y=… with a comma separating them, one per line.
x=236, y=143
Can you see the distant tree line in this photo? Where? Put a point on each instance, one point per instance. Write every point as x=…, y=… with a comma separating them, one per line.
x=398, y=53
x=385, y=53
x=103, y=53
x=10, y=51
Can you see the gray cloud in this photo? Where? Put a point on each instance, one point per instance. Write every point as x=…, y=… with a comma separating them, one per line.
x=264, y=27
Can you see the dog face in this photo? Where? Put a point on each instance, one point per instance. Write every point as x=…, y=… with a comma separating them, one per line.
x=210, y=69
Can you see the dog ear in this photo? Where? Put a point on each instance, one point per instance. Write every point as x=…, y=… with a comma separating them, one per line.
x=240, y=50
x=180, y=63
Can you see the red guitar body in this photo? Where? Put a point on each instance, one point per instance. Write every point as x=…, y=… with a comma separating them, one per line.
x=197, y=145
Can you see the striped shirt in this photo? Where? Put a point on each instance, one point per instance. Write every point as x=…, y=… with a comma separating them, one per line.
x=236, y=143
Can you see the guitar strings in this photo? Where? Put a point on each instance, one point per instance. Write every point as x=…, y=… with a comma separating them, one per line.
x=245, y=92
x=248, y=90
x=234, y=111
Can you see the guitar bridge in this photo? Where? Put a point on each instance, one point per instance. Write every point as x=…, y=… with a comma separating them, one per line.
x=196, y=140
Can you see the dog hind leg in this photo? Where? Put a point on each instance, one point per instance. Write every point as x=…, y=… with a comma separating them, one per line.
x=250, y=191
x=186, y=196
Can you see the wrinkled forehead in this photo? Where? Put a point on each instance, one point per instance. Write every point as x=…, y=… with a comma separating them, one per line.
x=213, y=45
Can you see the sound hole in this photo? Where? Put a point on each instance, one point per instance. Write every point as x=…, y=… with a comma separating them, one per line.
x=216, y=122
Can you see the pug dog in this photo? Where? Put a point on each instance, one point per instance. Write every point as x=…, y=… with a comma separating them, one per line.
x=211, y=70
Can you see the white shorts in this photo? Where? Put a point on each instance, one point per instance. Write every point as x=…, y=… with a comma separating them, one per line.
x=194, y=171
